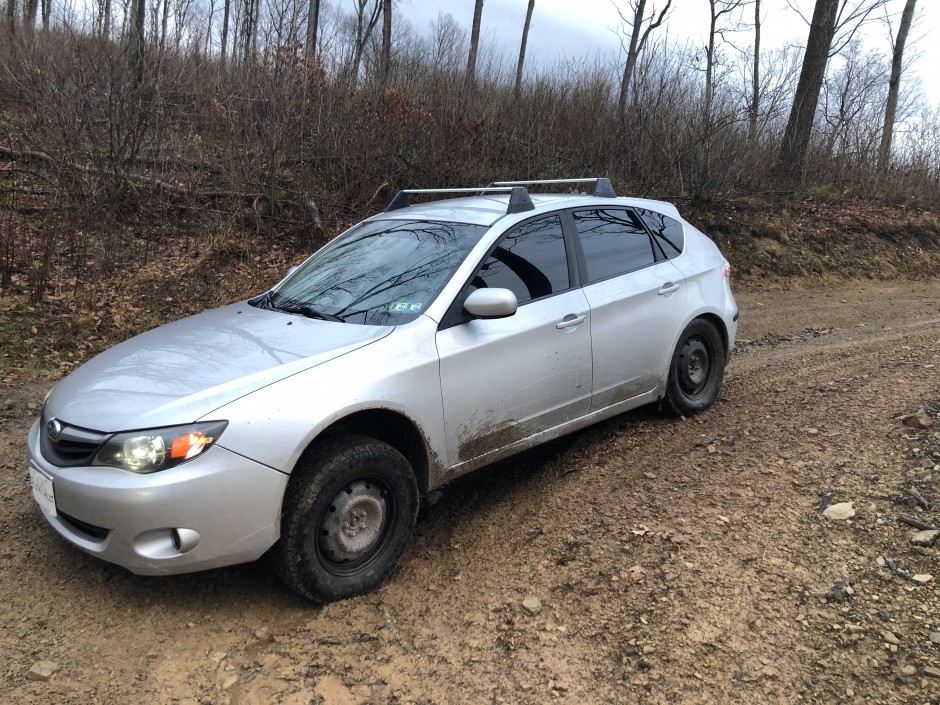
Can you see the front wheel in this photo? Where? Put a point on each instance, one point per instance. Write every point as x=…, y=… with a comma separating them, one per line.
x=348, y=515
x=696, y=370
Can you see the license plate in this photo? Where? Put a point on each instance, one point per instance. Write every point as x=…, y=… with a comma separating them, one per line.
x=42, y=491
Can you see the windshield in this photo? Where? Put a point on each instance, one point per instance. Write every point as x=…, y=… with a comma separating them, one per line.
x=382, y=272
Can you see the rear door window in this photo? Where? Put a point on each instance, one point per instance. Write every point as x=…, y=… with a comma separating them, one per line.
x=613, y=241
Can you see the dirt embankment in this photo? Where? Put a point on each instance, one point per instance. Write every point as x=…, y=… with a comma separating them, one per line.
x=670, y=561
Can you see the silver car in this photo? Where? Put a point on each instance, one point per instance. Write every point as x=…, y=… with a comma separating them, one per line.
x=423, y=343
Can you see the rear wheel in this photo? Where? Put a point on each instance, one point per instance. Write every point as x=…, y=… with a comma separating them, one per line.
x=696, y=370
x=347, y=518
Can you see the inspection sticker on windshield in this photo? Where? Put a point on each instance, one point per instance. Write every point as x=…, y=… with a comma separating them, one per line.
x=404, y=307
x=42, y=491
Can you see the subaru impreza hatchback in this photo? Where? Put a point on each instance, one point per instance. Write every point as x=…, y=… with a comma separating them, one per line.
x=422, y=343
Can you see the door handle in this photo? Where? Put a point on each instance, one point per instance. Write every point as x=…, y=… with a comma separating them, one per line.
x=668, y=288
x=570, y=320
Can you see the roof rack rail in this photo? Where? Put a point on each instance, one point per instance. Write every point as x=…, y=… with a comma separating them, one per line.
x=602, y=186
x=519, y=200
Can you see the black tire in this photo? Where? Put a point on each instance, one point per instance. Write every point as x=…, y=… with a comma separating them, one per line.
x=348, y=514
x=696, y=370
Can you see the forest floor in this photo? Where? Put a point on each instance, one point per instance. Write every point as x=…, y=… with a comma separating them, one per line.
x=675, y=561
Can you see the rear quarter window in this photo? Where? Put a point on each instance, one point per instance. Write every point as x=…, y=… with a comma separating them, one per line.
x=668, y=232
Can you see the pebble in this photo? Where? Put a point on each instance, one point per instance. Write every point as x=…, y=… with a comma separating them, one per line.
x=932, y=672
x=840, y=511
x=229, y=682
x=908, y=671
x=42, y=671
x=922, y=578
x=649, y=475
x=891, y=638
x=925, y=538
x=935, y=637
x=917, y=421
x=532, y=605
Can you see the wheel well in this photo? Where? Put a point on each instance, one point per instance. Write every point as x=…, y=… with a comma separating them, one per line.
x=392, y=428
x=720, y=327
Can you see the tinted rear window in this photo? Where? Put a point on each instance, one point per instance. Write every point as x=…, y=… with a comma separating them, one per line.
x=668, y=231
x=612, y=241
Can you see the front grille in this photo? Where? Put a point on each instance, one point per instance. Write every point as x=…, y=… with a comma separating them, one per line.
x=73, y=446
x=83, y=527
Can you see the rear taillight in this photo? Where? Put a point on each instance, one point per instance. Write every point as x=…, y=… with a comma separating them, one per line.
x=726, y=272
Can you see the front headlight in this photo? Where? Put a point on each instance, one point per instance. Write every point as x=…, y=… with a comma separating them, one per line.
x=159, y=448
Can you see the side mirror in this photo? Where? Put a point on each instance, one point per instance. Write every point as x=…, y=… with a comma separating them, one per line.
x=491, y=303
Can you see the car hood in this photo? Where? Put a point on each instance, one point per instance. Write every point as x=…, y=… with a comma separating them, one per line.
x=182, y=371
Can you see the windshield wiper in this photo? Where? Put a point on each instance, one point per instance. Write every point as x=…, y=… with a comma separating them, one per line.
x=308, y=311
x=264, y=301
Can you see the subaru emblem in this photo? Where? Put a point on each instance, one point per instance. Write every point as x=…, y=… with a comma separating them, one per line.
x=54, y=427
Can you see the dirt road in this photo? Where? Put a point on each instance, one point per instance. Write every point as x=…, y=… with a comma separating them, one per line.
x=674, y=561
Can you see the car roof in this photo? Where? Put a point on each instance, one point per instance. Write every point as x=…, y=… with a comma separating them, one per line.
x=488, y=208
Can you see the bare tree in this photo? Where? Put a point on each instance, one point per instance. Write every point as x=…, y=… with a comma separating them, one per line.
x=313, y=28
x=525, y=38
x=894, y=84
x=718, y=9
x=226, y=13
x=46, y=11
x=831, y=19
x=640, y=28
x=474, y=42
x=30, y=8
x=792, y=154
x=386, y=39
x=367, y=17
x=11, y=16
x=755, y=78
x=135, y=39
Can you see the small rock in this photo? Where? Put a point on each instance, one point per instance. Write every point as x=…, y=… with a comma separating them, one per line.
x=711, y=449
x=932, y=672
x=890, y=638
x=42, y=671
x=925, y=538
x=840, y=511
x=908, y=671
x=935, y=637
x=649, y=475
x=917, y=421
x=922, y=578
x=532, y=605
x=229, y=682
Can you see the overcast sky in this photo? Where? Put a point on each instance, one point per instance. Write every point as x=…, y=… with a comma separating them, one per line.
x=566, y=29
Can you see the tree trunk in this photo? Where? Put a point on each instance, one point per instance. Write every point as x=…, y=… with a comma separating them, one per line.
x=135, y=40
x=755, y=78
x=525, y=38
x=792, y=156
x=46, y=14
x=894, y=84
x=638, y=37
x=11, y=16
x=30, y=10
x=386, y=40
x=632, y=53
x=313, y=28
x=226, y=10
x=474, y=42
x=366, y=19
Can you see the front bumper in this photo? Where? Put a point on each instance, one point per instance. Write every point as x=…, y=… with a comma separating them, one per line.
x=227, y=506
